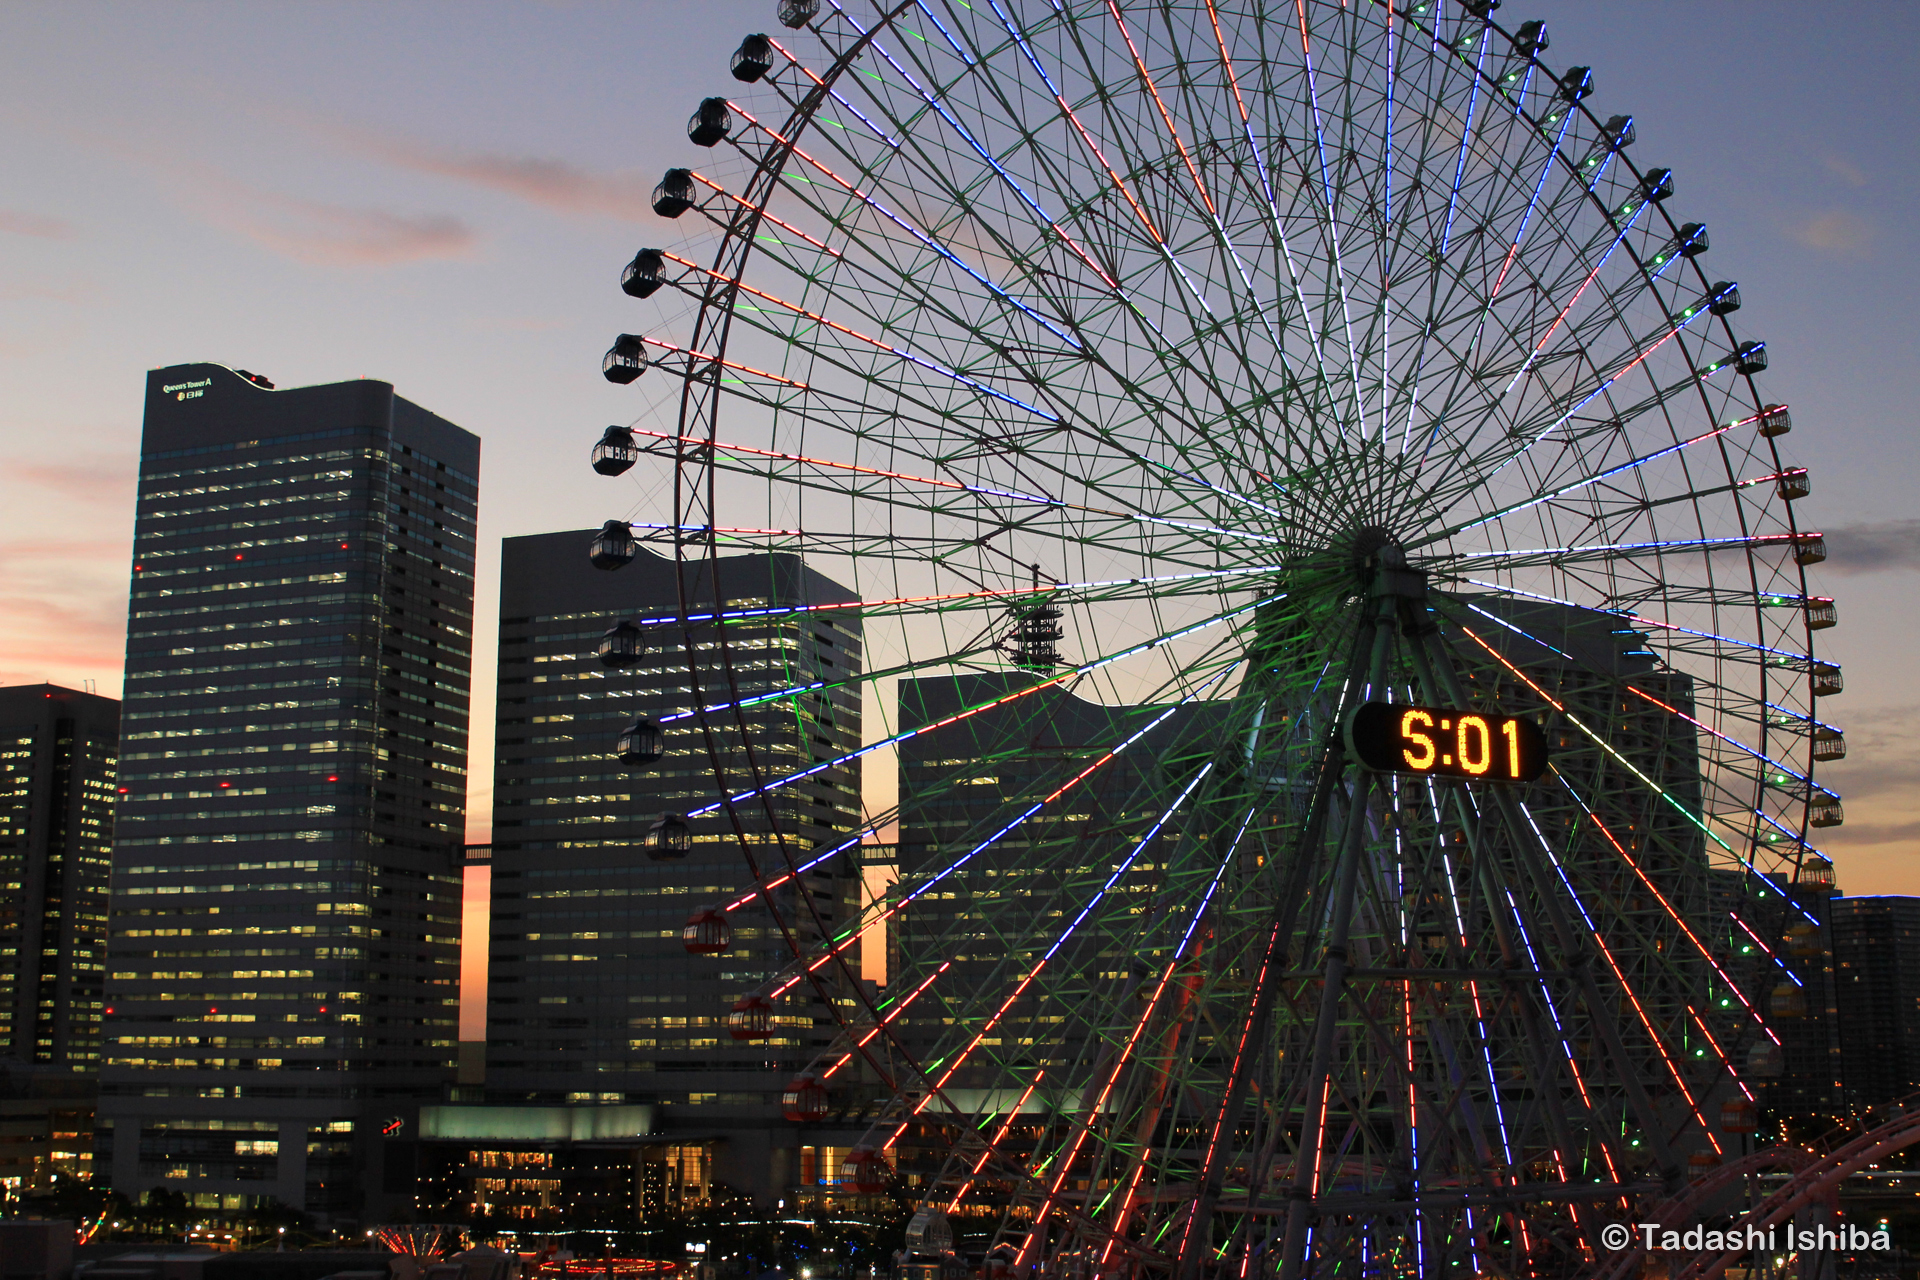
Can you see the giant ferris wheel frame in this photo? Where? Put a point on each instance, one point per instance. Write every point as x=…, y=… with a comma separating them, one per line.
x=1397, y=1025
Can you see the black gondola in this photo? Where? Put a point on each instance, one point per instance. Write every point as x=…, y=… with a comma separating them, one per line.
x=625, y=360
x=1749, y=357
x=669, y=837
x=1775, y=421
x=674, y=195
x=1693, y=240
x=616, y=453
x=795, y=14
x=1723, y=298
x=1577, y=83
x=621, y=646
x=1657, y=184
x=1530, y=38
x=613, y=546
x=753, y=59
x=1619, y=132
x=641, y=279
x=641, y=743
x=710, y=122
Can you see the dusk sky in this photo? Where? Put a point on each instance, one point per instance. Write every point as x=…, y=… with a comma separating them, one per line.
x=442, y=195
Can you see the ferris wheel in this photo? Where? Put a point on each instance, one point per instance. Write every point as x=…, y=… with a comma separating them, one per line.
x=1338, y=665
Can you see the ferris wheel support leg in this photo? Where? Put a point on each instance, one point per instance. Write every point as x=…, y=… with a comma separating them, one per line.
x=1193, y=1247
x=1319, y=1077
x=1431, y=660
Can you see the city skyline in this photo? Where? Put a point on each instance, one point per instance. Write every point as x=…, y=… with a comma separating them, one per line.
x=469, y=231
x=1207, y=642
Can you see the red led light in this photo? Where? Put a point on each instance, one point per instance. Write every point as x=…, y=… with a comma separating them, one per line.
x=226, y=784
x=333, y=777
x=236, y=557
x=343, y=546
x=123, y=791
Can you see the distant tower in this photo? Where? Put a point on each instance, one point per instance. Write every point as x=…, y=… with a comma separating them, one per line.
x=1036, y=634
x=57, y=749
x=286, y=895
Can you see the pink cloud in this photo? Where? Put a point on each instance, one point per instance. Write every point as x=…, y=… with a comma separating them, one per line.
x=29, y=224
x=1835, y=231
x=1846, y=169
x=312, y=231
x=332, y=235
x=102, y=480
x=552, y=184
x=81, y=635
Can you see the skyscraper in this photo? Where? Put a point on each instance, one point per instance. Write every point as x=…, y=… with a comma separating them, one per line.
x=1876, y=961
x=284, y=952
x=57, y=756
x=593, y=1000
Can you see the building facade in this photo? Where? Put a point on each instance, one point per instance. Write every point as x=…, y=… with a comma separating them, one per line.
x=283, y=968
x=1876, y=965
x=593, y=1000
x=58, y=750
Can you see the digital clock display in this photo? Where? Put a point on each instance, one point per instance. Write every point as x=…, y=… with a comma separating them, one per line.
x=1447, y=743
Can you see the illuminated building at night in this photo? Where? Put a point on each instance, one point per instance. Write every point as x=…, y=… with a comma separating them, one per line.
x=57, y=763
x=282, y=984
x=595, y=999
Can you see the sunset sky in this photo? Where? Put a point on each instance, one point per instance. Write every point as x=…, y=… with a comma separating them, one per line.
x=442, y=195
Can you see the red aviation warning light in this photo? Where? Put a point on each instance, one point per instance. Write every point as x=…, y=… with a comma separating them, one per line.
x=1442, y=742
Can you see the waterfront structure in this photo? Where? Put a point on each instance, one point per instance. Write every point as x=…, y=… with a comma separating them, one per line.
x=594, y=999
x=58, y=751
x=1876, y=966
x=285, y=914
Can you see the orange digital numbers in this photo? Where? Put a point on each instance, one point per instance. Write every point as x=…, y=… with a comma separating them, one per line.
x=1474, y=740
x=1441, y=742
x=1410, y=725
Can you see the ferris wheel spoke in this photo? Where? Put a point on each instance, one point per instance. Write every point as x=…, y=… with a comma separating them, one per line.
x=936, y=173
x=1601, y=476
x=1087, y=908
x=795, y=189
x=899, y=606
x=860, y=424
x=1549, y=418
x=852, y=933
x=1578, y=554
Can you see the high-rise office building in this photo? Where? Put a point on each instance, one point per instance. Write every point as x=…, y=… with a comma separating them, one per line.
x=57, y=760
x=283, y=968
x=1876, y=962
x=593, y=1001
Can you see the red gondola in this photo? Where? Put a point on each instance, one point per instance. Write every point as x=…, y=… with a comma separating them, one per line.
x=706, y=932
x=751, y=1018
